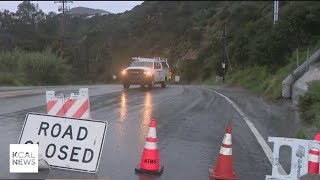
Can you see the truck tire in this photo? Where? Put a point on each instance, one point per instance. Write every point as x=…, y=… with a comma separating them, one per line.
x=150, y=85
x=164, y=84
x=126, y=86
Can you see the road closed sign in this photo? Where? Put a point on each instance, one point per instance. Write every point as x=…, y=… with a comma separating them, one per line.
x=66, y=143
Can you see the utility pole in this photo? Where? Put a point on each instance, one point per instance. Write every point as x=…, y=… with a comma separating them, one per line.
x=297, y=57
x=275, y=12
x=110, y=55
x=224, y=51
x=225, y=55
x=62, y=9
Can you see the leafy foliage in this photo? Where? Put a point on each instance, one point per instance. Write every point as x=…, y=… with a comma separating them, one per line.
x=263, y=81
x=36, y=68
x=259, y=44
x=182, y=31
x=309, y=104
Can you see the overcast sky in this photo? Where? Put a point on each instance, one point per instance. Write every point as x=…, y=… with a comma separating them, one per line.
x=47, y=6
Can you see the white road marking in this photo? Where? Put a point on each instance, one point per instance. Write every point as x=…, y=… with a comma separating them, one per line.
x=255, y=132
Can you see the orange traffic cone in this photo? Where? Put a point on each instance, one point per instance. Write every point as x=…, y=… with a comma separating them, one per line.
x=313, y=159
x=223, y=169
x=150, y=161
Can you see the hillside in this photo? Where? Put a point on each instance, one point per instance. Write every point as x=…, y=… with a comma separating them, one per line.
x=86, y=11
x=177, y=30
x=185, y=32
x=188, y=33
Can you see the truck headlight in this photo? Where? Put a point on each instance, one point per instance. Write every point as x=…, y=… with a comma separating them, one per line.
x=124, y=72
x=147, y=73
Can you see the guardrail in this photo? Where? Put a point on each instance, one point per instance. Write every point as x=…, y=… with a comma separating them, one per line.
x=297, y=73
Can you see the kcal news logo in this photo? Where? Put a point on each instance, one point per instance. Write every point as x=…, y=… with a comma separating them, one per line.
x=23, y=158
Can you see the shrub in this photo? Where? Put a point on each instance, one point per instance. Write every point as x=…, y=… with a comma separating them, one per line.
x=309, y=104
x=34, y=68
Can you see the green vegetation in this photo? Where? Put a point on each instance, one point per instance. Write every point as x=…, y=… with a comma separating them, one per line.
x=261, y=57
x=263, y=81
x=309, y=105
x=183, y=31
x=301, y=134
x=32, y=68
x=255, y=45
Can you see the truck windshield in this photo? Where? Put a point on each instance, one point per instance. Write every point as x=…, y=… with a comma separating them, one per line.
x=139, y=64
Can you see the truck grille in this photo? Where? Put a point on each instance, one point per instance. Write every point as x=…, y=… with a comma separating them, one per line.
x=135, y=74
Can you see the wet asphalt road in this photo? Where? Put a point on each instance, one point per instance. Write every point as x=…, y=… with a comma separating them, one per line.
x=191, y=122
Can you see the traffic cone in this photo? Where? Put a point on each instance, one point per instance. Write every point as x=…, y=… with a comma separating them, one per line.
x=313, y=159
x=223, y=169
x=150, y=161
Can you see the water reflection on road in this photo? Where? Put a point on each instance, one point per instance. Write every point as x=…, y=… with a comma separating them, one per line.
x=123, y=108
x=146, y=116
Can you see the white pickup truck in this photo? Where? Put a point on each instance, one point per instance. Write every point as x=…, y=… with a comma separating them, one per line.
x=146, y=71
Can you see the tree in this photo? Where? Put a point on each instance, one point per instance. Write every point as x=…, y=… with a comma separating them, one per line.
x=29, y=15
x=6, y=21
x=50, y=25
x=26, y=11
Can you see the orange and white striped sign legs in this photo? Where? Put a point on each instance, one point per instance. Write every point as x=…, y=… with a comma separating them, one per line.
x=76, y=106
x=72, y=108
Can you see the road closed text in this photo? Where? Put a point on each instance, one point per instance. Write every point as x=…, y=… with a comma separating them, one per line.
x=64, y=152
x=67, y=143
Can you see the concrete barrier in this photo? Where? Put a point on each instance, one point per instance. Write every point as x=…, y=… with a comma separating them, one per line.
x=297, y=74
x=302, y=84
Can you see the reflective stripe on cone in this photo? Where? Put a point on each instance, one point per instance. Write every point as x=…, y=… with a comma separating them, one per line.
x=224, y=165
